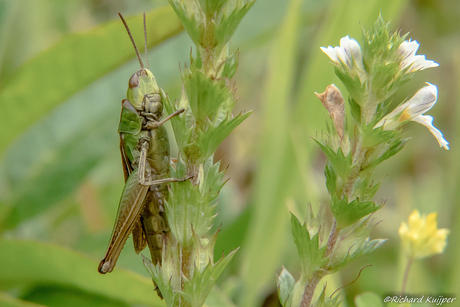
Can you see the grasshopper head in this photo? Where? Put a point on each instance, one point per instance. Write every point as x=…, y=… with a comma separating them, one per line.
x=143, y=91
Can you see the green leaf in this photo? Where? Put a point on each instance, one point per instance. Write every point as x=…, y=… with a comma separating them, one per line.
x=170, y=296
x=324, y=301
x=210, y=140
x=24, y=263
x=355, y=109
x=65, y=150
x=228, y=23
x=341, y=163
x=54, y=296
x=348, y=213
x=191, y=25
x=311, y=255
x=204, y=94
x=331, y=178
x=285, y=287
x=353, y=242
x=386, y=151
x=368, y=299
x=35, y=89
x=197, y=288
x=188, y=206
x=365, y=189
x=231, y=64
x=9, y=301
x=268, y=229
x=374, y=137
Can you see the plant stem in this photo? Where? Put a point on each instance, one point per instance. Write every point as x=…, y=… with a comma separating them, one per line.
x=334, y=234
x=317, y=276
x=406, y=275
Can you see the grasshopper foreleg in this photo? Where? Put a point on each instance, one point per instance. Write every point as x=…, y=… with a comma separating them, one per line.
x=154, y=124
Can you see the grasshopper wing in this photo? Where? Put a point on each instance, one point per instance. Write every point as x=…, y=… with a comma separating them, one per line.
x=129, y=210
x=125, y=163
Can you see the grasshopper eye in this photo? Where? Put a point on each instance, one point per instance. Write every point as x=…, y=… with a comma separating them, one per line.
x=133, y=81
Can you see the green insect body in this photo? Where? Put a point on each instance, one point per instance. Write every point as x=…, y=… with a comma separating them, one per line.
x=145, y=151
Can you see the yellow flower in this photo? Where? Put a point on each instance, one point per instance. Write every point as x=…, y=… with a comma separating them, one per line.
x=422, y=238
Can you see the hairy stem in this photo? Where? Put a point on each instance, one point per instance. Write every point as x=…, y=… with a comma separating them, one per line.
x=348, y=190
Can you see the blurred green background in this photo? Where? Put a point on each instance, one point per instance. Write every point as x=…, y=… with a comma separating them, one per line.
x=64, y=69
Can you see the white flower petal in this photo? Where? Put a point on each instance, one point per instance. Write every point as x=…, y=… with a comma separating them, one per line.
x=427, y=121
x=349, y=54
x=331, y=52
x=353, y=50
x=408, y=50
x=423, y=100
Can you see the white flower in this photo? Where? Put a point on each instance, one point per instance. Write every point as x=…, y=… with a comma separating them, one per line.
x=348, y=53
x=412, y=110
x=407, y=49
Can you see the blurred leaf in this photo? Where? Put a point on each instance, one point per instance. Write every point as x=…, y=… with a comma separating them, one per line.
x=216, y=298
x=23, y=263
x=368, y=299
x=72, y=64
x=53, y=296
x=65, y=147
x=9, y=301
x=268, y=229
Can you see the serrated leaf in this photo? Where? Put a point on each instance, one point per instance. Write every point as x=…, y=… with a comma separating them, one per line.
x=231, y=64
x=374, y=137
x=183, y=123
x=353, y=242
x=211, y=180
x=229, y=22
x=285, y=285
x=197, y=288
x=368, y=299
x=331, y=178
x=365, y=189
x=355, y=109
x=189, y=205
x=77, y=60
x=348, y=213
x=393, y=148
x=324, y=301
x=205, y=95
x=210, y=140
x=191, y=25
x=341, y=163
x=164, y=284
x=311, y=255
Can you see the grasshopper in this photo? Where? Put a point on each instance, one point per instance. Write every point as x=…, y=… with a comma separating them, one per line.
x=144, y=148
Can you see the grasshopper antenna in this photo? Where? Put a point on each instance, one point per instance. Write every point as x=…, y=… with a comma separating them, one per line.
x=132, y=40
x=145, y=42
